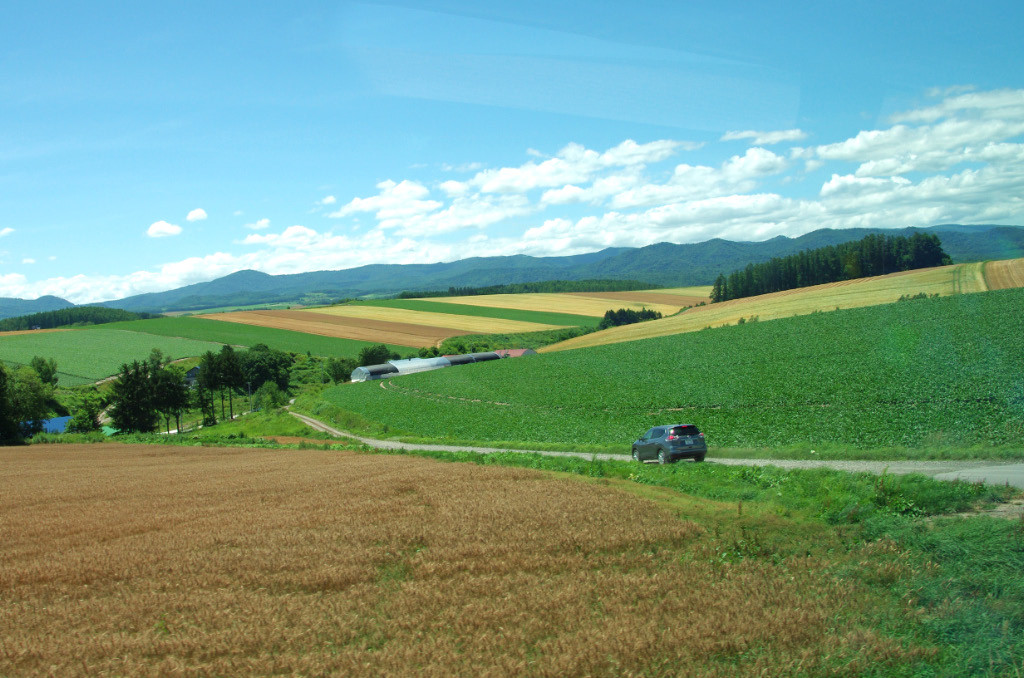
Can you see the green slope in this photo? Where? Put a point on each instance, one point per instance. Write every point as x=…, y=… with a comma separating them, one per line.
x=934, y=371
x=249, y=335
x=88, y=355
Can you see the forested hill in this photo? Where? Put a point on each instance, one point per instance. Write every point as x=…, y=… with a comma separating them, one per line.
x=68, y=317
x=663, y=264
x=10, y=307
x=873, y=255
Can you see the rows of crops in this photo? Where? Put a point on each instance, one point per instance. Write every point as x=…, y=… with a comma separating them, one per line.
x=85, y=356
x=238, y=334
x=541, y=317
x=944, y=370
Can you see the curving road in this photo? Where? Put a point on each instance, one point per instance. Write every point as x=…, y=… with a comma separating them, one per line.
x=987, y=471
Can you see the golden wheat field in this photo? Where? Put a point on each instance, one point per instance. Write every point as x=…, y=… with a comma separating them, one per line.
x=136, y=560
x=464, y=323
x=942, y=280
x=561, y=302
x=1000, y=275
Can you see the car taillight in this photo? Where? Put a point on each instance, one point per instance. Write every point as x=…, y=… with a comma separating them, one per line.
x=701, y=435
x=672, y=437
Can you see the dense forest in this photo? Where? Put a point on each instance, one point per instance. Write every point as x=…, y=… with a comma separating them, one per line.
x=870, y=256
x=68, y=317
x=534, y=287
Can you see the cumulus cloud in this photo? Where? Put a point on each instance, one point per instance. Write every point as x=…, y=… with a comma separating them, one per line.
x=6, y=231
x=327, y=200
x=197, y=214
x=162, y=229
x=958, y=159
x=766, y=138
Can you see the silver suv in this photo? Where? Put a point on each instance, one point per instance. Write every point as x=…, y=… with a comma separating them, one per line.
x=671, y=443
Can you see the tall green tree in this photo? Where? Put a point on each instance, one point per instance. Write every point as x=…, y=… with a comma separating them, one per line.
x=207, y=383
x=9, y=430
x=30, y=400
x=132, y=398
x=376, y=355
x=86, y=413
x=261, y=364
x=46, y=369
x=170, y=394
x=232, y=378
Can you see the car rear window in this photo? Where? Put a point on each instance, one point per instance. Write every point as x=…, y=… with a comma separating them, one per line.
x=685, y=431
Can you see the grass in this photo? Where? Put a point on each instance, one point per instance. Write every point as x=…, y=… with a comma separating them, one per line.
x=541, y=317
x=238, y=334
x=88, y=355
x=936, y=374
x=271, y=566
x=944, y=280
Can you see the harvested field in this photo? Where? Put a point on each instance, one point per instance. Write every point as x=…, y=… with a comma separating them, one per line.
x=135, y=560
x=649, y=297
x=579, y=304
x=942, y=280
x=464, y=323
x=1001, y=275
x=363, y=329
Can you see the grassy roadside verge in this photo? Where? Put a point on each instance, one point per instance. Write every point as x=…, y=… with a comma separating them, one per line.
x=313, y=405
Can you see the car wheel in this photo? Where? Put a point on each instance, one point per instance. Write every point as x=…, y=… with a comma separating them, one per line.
x=699, y=459
x=663, y=457
x=636, y=455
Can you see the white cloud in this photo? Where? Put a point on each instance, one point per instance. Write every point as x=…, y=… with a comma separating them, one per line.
x=694, y=182
x=197, y=214
x=394, y=201
x=6, y=231
x=259, y=224
x=766, y=138
x=28, y=260
x=327, y=200
x=162, y=229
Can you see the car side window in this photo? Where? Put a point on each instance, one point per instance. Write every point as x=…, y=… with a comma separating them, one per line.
x=648, y=435
x=656, y=432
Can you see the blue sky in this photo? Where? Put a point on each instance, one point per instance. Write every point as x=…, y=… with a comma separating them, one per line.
x=148, y=146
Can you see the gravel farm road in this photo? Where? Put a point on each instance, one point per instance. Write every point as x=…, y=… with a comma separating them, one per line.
x=988, y=471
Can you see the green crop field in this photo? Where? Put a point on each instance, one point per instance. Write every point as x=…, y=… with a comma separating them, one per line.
x=943, y=371
x=542, y=317
x=85, y=356
x=238, y=334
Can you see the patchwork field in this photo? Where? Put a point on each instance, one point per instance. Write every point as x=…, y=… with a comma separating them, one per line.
x=939, y=372
x=362, y=329
x=570, y=302
x=436, y=306
x=272, y=567
x=465, y=323
x=943, y=280
x=683, y=297
x=88, y=355
x=237, y=334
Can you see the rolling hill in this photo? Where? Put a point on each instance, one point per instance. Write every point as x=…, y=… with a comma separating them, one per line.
x=659, y=264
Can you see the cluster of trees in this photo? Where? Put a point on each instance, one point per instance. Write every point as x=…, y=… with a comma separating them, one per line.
x=873, y=255
x=145, y=392
x=67, y=317
x=535, y=287
x=26, y=401
x=626, y=316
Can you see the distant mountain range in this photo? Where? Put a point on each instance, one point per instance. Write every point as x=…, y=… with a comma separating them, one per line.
x=12, y=308
x=660, y=264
